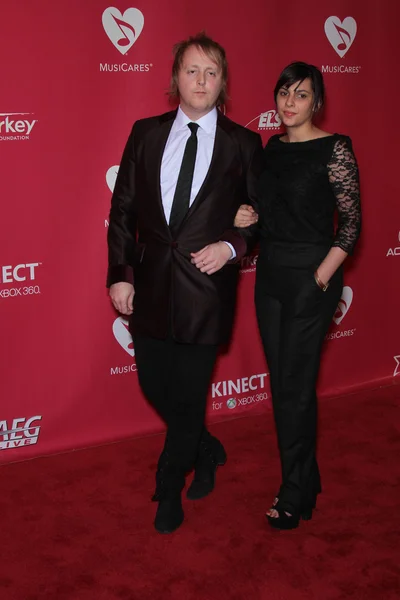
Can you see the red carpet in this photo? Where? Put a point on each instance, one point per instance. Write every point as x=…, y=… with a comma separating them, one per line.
x=79, y=526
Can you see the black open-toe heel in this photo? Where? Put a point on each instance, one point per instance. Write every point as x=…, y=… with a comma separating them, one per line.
x=283, y=520
x=306, y=514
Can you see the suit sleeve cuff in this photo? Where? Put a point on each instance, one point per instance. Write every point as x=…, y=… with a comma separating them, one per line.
x=237, y=241
x=232, y=250
x=118, y=273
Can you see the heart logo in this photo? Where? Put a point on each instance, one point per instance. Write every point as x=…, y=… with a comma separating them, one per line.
x=123, y=29
x=344, y=304
x=121, y=333
x=111, y=177
x=340, y=34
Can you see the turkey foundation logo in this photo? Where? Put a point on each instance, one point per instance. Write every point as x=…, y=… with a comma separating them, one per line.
x=397, y=368
x=341, y=34
x=16, y=126
x=344, y=305
x=122, y=335
x=123, y=30
x=248, y=264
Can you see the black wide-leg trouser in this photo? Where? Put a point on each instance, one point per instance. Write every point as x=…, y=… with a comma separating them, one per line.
x=294, y=315
x=175, y=378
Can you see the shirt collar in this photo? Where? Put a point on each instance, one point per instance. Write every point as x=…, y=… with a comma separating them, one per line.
x=207, y=122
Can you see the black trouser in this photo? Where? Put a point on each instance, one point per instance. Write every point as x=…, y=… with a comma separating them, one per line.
x=294, y=315
x=175, y=379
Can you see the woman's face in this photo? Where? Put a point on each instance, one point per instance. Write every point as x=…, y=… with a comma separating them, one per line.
x=295, y=103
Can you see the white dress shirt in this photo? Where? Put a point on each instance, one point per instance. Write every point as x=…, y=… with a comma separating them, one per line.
x=173, y=155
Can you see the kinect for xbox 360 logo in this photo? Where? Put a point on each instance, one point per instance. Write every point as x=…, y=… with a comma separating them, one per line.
x=231, y=403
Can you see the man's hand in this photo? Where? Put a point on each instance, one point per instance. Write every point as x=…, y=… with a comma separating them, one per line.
x=121, y=295
x=245, y=216
x=212, y=258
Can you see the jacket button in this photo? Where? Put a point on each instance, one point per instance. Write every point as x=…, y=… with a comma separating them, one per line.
x=174, y=244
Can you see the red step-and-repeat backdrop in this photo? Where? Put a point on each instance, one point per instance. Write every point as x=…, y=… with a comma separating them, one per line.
x=74, y=77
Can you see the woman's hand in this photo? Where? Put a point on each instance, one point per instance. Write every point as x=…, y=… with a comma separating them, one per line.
x=245, y=216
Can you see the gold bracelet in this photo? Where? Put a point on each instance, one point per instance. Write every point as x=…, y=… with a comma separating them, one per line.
x=321, y=284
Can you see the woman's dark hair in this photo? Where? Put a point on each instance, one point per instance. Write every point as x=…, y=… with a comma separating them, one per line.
x=298, y=72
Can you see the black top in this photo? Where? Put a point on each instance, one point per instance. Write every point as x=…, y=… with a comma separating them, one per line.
x=301, y=186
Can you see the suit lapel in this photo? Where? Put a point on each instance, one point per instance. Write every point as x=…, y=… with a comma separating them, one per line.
x=223, y=154
x=154, y=153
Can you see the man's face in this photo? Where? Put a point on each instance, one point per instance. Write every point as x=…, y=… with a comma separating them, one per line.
x=199, y=83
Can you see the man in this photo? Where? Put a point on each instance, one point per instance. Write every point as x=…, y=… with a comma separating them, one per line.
x=173, y=256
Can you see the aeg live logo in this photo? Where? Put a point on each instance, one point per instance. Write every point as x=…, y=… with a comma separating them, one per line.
x=22, y=432
x=394, y=251
x=397, y=368
x=15, y=126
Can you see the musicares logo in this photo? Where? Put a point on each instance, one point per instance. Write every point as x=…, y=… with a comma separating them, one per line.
x=122, y=335
x=111, y=177
x=340, y=34
x=123, y=29
x=344, y=305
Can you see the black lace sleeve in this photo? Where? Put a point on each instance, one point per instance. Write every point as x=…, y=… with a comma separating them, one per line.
x=343, y=176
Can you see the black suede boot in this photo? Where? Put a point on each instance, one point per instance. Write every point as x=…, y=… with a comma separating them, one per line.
x=160, y=474
x=169, y=515
x=211, y=456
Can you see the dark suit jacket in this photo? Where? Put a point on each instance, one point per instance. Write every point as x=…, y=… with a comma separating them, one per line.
x=170, y=292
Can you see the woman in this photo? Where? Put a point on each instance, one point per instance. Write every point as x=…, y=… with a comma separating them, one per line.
x=308, y=175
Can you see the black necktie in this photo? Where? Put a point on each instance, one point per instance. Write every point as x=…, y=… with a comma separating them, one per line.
x=180, y=204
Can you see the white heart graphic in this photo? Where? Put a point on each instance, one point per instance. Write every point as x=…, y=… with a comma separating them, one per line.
x=123, y=29
x=344, y=304
x=111, y=177
x=122, y=335
x=340, y=34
